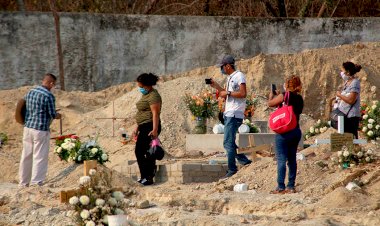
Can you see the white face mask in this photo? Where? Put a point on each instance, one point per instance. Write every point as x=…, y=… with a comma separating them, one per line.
x=344, y=76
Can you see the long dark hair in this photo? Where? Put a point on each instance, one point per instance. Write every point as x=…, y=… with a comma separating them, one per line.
x=148, y=79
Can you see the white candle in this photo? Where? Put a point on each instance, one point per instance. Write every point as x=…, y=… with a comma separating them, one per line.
x=340, y=124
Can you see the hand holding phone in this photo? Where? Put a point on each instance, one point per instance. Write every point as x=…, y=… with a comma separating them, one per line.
x=208, y=81
x=274, y=88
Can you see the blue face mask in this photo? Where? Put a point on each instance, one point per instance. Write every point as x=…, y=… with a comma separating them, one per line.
x=222, y=71
x=143, y=91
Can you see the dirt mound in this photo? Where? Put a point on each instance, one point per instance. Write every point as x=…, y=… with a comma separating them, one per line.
x=320, y=185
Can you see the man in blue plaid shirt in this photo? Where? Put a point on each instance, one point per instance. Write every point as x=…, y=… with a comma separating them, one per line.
x=40, y=112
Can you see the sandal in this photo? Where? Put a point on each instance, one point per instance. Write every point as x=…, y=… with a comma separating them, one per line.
x=290, y=190
x=278, y=191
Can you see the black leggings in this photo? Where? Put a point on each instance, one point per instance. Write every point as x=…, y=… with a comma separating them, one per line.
x=351, y=125
x=147, y=164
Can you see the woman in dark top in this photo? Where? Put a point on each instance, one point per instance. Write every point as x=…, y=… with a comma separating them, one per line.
x=287, y=143
x=148, y=125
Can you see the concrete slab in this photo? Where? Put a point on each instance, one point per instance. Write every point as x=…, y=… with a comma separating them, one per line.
x=182, y=172
x=210, y=143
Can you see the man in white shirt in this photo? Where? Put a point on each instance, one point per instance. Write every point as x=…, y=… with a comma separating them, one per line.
x=235, y=94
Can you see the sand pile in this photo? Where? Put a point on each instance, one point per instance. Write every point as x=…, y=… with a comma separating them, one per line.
x=322, y=199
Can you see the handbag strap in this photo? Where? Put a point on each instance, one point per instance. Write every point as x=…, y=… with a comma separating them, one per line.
x=286, y=98
x=351, y=107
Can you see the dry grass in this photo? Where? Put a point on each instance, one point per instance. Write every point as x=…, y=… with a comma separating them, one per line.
x=244, y=8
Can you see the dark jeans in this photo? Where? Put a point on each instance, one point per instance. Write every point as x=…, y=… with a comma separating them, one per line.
x=351, y=125
x=231, y=126
x=286, y=150
x=147, y=164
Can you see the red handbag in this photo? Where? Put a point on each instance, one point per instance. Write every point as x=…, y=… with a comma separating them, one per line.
x=283, y=119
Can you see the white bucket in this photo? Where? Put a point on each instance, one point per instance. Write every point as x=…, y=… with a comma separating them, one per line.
x=117, y=220
x=240, y=187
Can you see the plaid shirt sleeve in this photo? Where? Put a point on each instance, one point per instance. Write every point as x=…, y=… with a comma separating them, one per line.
x=40, y=109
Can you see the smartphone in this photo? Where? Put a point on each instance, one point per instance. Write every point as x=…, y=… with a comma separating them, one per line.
x=208, y=81
x=273, y=88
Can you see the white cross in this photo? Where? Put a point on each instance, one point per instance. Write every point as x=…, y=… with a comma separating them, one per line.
x=341, y=131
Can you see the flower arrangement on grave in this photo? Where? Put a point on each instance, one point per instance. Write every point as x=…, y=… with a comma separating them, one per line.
x=370, y=124
x=252, y=127
x=251, y=103
x=202, y=105
x=3, y=138
x=318, y=128
x=91, y=150
x=70, y=148
x=67, y=146
x=349, y=157
x=97, y=200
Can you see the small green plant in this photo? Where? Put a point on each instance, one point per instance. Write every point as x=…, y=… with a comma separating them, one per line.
x=3, y=138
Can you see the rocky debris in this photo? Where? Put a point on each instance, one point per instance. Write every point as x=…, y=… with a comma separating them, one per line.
x=143, y=204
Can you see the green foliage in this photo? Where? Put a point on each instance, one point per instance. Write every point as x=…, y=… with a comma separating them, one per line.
x=251, y=103
x=3, y=138
x=252, y=127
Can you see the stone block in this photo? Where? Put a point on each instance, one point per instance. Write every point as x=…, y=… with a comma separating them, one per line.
x=197, y=142
x=192, y=167
x=178, y=166
x=211, y=168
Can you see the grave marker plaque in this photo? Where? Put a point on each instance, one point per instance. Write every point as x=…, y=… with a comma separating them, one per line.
x=338, y=140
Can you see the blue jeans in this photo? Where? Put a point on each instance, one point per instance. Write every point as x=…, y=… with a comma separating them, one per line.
x=286, y=151
x=231, y=126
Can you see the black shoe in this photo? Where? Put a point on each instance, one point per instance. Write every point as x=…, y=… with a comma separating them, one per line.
x=247, y=163
x=229, y=174
x=146, y=182
x=139, y=180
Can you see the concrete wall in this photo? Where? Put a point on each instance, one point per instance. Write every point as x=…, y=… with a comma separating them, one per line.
x=102, y=50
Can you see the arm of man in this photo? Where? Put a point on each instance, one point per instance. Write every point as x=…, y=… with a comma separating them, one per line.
x=241, y=93
x=222, y=91
x=51, y=108
x=155, y=108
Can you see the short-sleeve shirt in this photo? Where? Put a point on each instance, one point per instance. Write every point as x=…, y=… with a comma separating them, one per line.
x=144, y=113
x=40, y=108
x=235, y=107
x=353, y=87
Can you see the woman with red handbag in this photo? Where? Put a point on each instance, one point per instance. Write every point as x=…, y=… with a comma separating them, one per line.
x=286, y=143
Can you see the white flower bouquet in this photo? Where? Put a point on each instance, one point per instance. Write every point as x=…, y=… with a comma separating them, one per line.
x=66, y=146
x=97, y=200
x=252, y=127
x=370, y=124
x=349, y=157
x=318, y=128
x=70, y=148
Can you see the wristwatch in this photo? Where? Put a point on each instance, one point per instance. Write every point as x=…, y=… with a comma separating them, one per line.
x=228, y=93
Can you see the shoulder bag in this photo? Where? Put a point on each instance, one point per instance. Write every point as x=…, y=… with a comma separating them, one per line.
x=283, y=119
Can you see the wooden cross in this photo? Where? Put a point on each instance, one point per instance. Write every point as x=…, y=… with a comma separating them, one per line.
x=113, y=118
x=338, y=140
x=253, y=149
